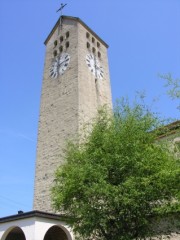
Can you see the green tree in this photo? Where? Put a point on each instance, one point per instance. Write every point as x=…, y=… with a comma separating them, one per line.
x=173, y=86
x=113, y=182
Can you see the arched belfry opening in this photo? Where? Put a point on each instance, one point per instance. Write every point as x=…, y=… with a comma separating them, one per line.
x=55, y=233
x=15, y=233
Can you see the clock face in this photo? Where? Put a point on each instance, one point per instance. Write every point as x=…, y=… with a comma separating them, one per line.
x=94, y=66
x=59, y=65
x=54, y=68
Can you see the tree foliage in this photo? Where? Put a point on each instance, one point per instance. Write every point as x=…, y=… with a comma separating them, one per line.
x=173, y=86
x=113, y=182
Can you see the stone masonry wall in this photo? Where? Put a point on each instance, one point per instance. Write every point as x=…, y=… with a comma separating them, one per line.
x=67, y=103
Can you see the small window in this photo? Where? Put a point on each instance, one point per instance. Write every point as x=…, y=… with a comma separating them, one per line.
x=93, y=40
x=88, y=45
x=98, y=44
x=55, y=53
x=93, y=50
x=67, y=34
x=61, y=49
x=61, y=39
x=87, y=35
x=55, y=43
x=99, y=55
x=67, y=44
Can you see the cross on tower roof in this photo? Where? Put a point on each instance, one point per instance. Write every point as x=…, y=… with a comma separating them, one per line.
x=61, y=8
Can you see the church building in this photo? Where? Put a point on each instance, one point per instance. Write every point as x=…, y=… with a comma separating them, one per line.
x=76, y=83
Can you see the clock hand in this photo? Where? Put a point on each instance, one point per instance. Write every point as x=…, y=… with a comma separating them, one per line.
x=63, y=61
x=58, y=64
x=97, y=67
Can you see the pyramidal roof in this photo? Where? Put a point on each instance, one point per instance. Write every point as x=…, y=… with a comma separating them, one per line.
x=77, y=20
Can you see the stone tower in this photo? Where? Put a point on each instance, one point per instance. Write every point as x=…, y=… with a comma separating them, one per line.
x=75, y=83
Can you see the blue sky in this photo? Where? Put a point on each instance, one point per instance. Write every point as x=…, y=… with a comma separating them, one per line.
x=144, y=41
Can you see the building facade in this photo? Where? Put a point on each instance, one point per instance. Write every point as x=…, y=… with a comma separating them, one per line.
x=75, y=84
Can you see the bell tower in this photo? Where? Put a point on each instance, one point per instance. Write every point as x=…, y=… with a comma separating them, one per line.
x=75, y=84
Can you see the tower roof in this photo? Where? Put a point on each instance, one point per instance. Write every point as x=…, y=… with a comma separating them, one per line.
x=77, y=20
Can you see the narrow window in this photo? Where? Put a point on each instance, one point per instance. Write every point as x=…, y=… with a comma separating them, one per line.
x=67, y=34
x=55, y=53
x=61, y=49
x=67, y=44
x=55, y=43
x=93, y=50
x=61, y=39
x=93, y=40
x=87, y=35
x=88, y=45
x=99, y=55
x=98, y=44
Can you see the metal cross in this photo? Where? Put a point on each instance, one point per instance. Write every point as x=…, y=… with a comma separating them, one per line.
x=61, y=8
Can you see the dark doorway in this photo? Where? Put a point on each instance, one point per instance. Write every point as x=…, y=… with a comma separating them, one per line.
x=55, y=233
x=15, y=234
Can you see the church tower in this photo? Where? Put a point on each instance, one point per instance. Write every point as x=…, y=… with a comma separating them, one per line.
x=75, y=84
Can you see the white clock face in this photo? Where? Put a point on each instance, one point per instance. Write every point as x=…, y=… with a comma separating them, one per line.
x=54, y=68
x=59, y=65
x=94, y=66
